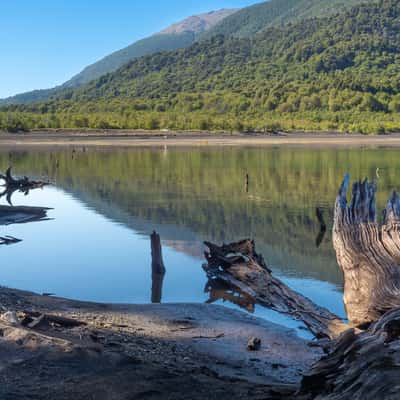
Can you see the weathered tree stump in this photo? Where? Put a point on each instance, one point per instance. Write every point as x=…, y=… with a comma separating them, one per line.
x=368, y=253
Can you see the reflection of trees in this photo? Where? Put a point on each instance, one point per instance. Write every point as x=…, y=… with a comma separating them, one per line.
x=202, y=190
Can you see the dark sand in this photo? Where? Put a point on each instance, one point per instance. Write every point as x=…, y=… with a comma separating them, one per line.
x=176, y=351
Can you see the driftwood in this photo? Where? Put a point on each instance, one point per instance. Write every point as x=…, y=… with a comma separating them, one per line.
x=23, y=185
x=364, y=366
x=368, y=253
x=157, y=268
x=363, y=361
x=36, y=320
x=238, y=265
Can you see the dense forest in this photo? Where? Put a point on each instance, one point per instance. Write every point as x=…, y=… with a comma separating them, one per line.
x=339, y=72
x=256, y=18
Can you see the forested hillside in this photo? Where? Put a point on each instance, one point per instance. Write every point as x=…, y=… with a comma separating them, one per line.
x=339, y=72
x=251, y=20
x=177, y=36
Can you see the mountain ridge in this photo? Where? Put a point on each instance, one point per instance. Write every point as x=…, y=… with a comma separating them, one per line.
x=200, y=22
x=178, y=35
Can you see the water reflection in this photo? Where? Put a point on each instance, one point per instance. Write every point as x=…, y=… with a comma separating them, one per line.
x=322, y=231
x=188, y=196
x=22, y=214
x=220, y=290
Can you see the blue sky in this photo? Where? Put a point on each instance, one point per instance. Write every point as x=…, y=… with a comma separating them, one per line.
x=45, y=42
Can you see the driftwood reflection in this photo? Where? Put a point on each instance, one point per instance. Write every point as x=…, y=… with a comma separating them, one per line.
x=20, y=214
x=322, y=231
x=8, y=240
x=220, y=290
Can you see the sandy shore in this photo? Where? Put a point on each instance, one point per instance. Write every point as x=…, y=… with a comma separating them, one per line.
x=175, y=351
x=187, y=139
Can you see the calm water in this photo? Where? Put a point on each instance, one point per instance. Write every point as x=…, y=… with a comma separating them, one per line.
x=107, y=202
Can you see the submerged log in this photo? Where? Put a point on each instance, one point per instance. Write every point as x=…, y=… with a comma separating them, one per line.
x=368, y=253
x=239, y=265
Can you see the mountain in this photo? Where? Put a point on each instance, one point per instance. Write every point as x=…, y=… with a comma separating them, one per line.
x=339, y=72
x=251, y=20
x=199, y=23
x=179, y=35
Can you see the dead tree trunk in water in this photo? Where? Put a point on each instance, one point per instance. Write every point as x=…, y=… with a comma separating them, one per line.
x=368, y=254
x=157, y=268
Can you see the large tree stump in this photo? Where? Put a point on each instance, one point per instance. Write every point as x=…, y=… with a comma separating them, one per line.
x=368, y=253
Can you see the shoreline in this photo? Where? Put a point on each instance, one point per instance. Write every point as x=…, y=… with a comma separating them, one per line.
x=184, y=351
x=190, y=139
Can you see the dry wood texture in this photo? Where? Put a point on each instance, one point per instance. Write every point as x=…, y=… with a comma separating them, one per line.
x=364, y=366
x=240, y=266
x=368, y=253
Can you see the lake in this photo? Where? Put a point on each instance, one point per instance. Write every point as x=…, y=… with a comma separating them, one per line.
x=105, y=203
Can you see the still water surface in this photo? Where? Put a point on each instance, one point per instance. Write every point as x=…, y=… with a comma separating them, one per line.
x=107, y=202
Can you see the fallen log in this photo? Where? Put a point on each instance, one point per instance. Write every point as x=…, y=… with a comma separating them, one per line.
x=239, y=265
x=23, y=184
x=368, y=253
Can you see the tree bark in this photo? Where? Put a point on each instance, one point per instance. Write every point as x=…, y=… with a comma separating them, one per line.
x=368, y=254
x=238, y=265
x=364, y=366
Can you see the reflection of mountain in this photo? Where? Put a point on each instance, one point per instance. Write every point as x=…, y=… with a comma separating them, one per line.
x=192, y=195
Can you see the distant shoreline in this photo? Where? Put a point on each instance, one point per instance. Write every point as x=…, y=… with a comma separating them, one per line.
x=189, y=139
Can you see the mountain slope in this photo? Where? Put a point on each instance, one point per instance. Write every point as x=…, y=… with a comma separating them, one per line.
x=253, y=19
x=364, y=39
x=179, y=35
x=320, y=73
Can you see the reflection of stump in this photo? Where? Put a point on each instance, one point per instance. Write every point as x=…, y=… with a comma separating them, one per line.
x=368, y=254
x=157, y=268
